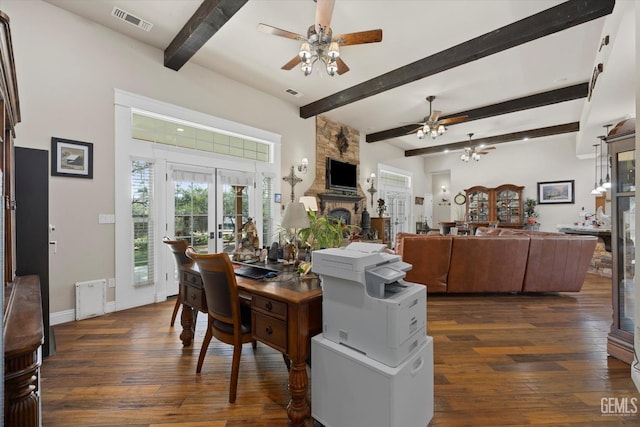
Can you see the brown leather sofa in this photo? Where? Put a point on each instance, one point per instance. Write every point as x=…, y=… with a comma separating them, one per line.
x=497, y=261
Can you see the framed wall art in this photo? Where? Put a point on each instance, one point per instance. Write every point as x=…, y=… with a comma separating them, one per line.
x=551, y=192
x=71, y=158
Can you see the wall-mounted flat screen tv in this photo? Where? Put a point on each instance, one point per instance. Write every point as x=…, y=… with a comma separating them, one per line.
x=342, y=176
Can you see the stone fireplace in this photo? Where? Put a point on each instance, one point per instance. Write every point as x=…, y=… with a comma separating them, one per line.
x=340, y=142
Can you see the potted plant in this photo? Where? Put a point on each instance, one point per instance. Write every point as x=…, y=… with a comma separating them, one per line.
x=530, y=213
x=324, y=231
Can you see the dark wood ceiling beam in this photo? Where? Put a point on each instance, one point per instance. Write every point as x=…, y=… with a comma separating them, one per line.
x=549, y=21
x=498, y=139
x=568, y=93
x=205, y=22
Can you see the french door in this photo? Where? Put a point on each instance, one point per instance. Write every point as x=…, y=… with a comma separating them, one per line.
x=208, y=208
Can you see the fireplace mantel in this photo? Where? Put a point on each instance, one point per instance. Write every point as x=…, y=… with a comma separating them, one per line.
x=339, y=198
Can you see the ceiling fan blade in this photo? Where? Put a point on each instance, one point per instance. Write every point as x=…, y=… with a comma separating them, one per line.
x=362, y=37
x=324, y=10
x=416, y=129
x=289, y=65
x=342, y=67
x=453, y=120
x=268, y=29
x=488, y=148
x=434, y=116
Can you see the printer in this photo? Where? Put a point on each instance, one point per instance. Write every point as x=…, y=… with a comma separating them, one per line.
x=367, y=306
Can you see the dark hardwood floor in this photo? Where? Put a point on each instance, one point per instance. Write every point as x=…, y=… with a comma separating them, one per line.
x=500, y=360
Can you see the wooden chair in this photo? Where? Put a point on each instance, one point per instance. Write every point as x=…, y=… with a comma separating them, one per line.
x=178, y=247
x=228, y=320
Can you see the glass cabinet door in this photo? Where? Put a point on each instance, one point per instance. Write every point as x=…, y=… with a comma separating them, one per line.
x=509, y=204
x=478, y=204
x=623, y=235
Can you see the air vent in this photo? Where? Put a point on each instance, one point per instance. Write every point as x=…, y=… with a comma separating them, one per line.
x=293, y=92
x=131, y=19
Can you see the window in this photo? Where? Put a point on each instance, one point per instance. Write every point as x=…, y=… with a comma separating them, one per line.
x=142, y=220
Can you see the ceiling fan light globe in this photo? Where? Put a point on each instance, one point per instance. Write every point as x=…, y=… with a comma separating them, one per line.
x=332, y=68
x=305, y=52
x=334, y=51
x=420, y=134
x=426, y=128
x=434, y=133
x=307, y=68
x=441, y=129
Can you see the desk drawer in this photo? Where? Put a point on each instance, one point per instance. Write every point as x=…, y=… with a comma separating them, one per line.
x=191, y=278
x=270, y=331
x=270, y=307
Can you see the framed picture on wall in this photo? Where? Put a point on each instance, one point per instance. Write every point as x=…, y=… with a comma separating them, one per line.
x=552, y=192
x=71, y=158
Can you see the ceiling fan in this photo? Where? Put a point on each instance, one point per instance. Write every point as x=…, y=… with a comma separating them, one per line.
x=320, y=43
x=432, y=125
x=474, y=153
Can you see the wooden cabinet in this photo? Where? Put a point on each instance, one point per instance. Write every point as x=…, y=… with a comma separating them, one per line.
x=383, y=226
x=621, y=148
x=501, y=204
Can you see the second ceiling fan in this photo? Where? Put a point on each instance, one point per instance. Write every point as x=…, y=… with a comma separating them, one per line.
x=432, y=125
x=320, y=43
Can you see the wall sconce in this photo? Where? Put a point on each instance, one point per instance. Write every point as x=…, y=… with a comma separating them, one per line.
x=372, y=189
x=304, y=163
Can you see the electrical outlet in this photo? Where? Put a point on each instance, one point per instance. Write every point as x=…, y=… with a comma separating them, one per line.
x=112, y=282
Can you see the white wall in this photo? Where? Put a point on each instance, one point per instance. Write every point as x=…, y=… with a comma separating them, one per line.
x=67, y=69
x=525, y=163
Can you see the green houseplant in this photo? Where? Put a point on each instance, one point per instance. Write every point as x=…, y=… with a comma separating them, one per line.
x=530, y=213
x=324, y=231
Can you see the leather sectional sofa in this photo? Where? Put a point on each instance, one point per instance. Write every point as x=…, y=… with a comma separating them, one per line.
x=497, y=260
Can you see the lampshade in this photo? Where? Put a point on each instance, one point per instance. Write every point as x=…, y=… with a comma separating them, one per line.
x=295, y=216
x=309, y=203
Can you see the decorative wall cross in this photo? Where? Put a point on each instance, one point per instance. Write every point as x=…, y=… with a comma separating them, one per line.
x=292, y=179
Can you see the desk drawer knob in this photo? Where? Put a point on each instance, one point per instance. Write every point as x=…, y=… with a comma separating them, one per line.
x=269, y=306
x=268, y=330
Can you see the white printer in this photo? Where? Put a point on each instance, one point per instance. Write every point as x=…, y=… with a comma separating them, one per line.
x=367, y=306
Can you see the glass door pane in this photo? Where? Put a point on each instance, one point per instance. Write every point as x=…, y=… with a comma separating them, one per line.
x=191, y=218
x=626, y=261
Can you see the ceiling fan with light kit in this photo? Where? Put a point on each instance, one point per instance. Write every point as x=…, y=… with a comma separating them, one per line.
x=320, y=43
x=432, y=125
x=473, y=153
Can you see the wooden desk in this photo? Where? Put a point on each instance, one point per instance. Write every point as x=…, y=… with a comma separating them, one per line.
x=286, y=312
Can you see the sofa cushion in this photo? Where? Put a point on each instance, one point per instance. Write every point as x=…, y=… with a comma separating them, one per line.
x=430, y=257
x=488, y=264
x=558, y=263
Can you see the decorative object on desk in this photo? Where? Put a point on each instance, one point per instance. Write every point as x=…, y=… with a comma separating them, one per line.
x=530, y=213
x=556, y=192
x=249, y=243
x=272, y=256
x=296, y=218
x=372, y=189
x=292, y=179
x=382, y=208
x=71, y=158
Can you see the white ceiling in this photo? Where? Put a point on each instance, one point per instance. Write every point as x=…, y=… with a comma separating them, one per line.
x=412, y=30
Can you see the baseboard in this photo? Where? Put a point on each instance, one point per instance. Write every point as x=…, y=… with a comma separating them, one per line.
x=70, y=315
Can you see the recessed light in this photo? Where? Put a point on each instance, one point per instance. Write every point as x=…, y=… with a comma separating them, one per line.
x=180, y=130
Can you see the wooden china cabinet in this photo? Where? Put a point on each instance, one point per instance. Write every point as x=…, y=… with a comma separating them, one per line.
x=621, y=148
x=502, y=204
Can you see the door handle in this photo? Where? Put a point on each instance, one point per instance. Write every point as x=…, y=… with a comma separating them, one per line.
x=212, y=235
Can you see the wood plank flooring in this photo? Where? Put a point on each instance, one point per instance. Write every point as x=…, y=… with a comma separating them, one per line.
x=500, y=360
